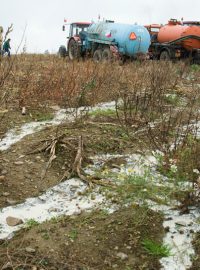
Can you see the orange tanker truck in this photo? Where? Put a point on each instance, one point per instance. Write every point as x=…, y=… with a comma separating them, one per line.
x=175, y=40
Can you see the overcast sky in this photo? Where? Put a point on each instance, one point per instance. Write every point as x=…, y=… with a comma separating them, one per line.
x=43, y=19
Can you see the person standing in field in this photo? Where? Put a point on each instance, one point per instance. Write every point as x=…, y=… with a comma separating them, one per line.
x=6, y=47
x=1, y=39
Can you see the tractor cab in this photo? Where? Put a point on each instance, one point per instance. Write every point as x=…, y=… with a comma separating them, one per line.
x=153, y=31
x=76, y=38
x=77, y=28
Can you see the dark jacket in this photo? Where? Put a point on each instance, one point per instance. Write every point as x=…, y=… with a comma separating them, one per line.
x=6, y=45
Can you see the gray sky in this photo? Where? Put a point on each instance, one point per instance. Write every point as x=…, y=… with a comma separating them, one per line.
x=43, y=19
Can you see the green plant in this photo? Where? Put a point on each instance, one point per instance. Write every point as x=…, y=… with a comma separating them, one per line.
x=156, y=249
x=56, y=219
x=90, y=85
x=172, y=99
x=73, y=234
x=195, y=67
x=44, y=262
x=198, y=221
x=45, y=235
x=30, y=223
x=132, y=186
x=102, y=113
x=43, y=116
x=87, y=87
x=104, y=212
x=190, y=152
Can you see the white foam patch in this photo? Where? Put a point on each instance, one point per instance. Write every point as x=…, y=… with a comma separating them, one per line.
x=63, y=199
x=179, y=239
x=180, y=232
x=181, y=228
x=16, y=134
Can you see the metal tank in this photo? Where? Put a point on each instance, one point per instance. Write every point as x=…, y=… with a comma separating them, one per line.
x=175, y=30
x=130, y=39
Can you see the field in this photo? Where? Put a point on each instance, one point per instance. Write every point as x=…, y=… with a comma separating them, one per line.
x=101, y=170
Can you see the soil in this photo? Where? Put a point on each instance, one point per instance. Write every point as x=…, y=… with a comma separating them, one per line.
x=23, y=171
x=92, y=241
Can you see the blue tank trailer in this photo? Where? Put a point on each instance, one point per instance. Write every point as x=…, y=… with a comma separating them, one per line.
x=106, y=40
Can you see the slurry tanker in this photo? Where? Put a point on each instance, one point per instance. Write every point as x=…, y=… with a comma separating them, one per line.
x=175, y=40
x=106, y=40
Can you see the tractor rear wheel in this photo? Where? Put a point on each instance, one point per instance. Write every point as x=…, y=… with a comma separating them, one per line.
x=165, y=55
x=97, y=56
x=74, y=50
x=107, y=55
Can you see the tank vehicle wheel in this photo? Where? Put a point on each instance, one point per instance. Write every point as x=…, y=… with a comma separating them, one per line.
x=107, y=55
x=74, y=50
x=165, y=55
x=62, y=52
x=97, y=57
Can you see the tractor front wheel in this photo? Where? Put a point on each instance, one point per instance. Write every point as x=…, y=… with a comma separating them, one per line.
x=74, y=50
x=62, y=52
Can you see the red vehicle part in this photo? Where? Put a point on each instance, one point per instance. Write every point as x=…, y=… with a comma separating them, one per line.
x=175, y=30
x=74, y=42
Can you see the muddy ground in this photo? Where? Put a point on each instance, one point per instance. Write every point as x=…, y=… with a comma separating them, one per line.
x=23, y=165
x=91, y=241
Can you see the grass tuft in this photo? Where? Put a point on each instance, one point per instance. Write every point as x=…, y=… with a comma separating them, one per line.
x=156, y=249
